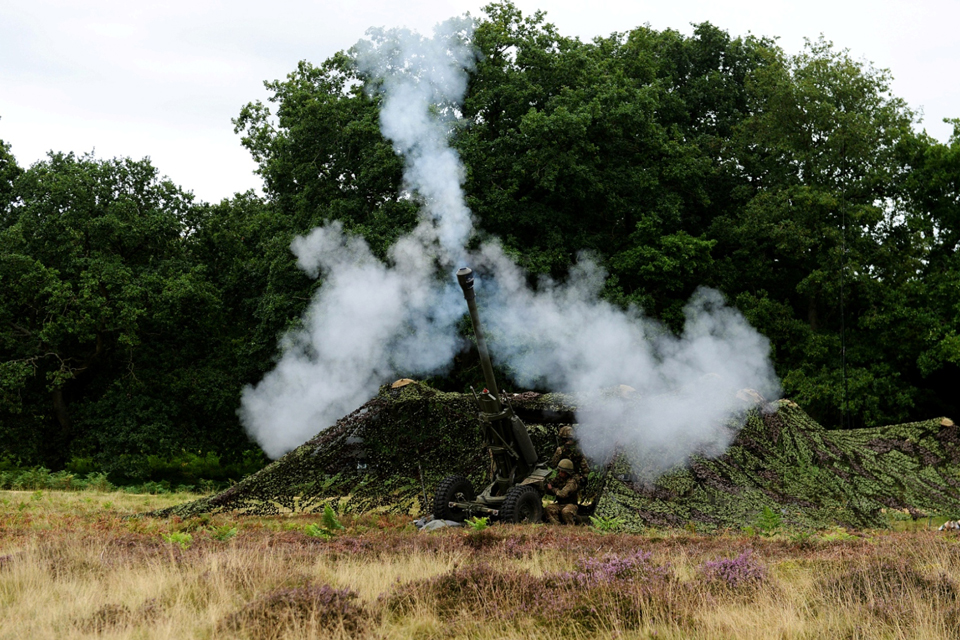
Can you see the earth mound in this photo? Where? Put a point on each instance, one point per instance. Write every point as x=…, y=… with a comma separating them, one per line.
x=390, y=454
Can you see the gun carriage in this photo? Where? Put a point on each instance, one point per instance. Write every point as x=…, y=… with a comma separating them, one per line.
x=515, y=494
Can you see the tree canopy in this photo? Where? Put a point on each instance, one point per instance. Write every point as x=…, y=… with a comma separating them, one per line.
x=797, y=185
x=110, y=327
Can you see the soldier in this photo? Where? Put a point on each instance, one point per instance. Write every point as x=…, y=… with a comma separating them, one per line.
x=568, y=449
x=567, y=493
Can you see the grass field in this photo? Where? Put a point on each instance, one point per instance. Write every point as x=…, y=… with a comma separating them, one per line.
x=74, y=564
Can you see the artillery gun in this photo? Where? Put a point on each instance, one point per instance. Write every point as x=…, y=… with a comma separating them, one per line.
x=515, y=495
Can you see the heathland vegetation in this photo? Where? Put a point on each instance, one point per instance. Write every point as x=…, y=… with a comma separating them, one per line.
x=132, y=315
x=76, y=564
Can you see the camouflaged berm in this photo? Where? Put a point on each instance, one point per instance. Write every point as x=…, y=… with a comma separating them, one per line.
x=373, y=458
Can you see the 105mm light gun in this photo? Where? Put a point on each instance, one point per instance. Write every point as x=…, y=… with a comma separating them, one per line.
x=515, y=495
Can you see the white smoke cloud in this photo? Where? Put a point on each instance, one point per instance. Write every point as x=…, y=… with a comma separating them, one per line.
x=371, y=322
x=684, y=401
x=367, y=322
x=422, y=82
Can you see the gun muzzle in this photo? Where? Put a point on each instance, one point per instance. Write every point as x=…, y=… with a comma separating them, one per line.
x=465, y=278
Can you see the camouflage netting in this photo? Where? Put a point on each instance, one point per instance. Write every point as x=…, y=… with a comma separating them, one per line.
x=812, y=477
x=380, y=457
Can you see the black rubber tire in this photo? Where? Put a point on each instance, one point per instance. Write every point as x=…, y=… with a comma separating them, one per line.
x=522, y=504
x=450, y=490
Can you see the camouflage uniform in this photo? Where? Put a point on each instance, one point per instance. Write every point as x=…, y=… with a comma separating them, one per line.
x=566, y=504
x=571, y=452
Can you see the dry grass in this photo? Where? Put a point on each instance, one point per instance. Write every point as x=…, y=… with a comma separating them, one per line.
x=72, y=565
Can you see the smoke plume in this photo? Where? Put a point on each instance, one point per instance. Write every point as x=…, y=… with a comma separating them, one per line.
x=643, y=391
x=422, y=82
x=371, y=322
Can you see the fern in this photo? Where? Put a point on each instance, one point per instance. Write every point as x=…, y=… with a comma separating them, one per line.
x=606, y=524
x=329, y=519
x=478, y=524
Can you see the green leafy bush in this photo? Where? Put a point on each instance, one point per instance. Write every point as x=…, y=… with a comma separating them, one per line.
x=328, y=527
x=329, y=519
x=223, y=533
x=606, y=525
x=769, y=521
x=180, y=538
x=478, y=524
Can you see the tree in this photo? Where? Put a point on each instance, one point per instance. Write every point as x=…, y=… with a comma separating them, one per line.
x=611, y=147
x=107, y=320
x=821, y=237
x=9, y=170
x=794, y=184
x=931, y=308
x=322, y=156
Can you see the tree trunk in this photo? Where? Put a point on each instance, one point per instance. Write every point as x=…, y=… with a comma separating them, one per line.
x=57, y=453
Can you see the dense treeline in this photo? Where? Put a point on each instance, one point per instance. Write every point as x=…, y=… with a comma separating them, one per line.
x=132, y=315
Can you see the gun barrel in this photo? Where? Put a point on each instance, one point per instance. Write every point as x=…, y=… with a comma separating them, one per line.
x=465, y=278
x=509, y=430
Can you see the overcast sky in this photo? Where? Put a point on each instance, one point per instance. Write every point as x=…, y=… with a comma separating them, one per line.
x=164, y=79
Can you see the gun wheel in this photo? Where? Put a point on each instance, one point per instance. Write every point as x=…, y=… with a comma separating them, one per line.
x=522, y=504
x=452, y=489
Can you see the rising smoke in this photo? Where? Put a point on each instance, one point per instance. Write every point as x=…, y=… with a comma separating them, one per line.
x=644, y=391
x=371, y=322
x=366, y=323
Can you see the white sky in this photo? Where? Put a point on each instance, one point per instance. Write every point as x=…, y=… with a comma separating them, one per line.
x=164, y=79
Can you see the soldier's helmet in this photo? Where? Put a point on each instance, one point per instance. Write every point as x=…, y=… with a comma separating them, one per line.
x=566, y=432
x=565, y=465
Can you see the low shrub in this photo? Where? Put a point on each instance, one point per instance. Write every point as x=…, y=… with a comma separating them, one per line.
x=888, y=588
x=606, y=525
x=38, y=478
x=318, y=608
x=329, y=525
x=110, y=616
x=744, y=571
x=477, y=524
x=179, y=538
x=184, y=472
x=637, y=568
x=606, y=593
x=768, y=521
x=224, y=533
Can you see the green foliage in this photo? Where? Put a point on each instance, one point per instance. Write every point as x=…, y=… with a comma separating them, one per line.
x=675, y=161
x=38, y=478
x=109, y=324
x=189, y=468
x=316, y=531
x=836, y=534
x=324, y=116
x=330, y=520
x=224, y=533
x=179, y=538
x=185, y=472
x=610, y=147
x=97, y=481
x=768, y=521
x=607, y=524
x=824, y=223
x=9, y=171
x=329, y=525
x=478, y=524
x=802, y=538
